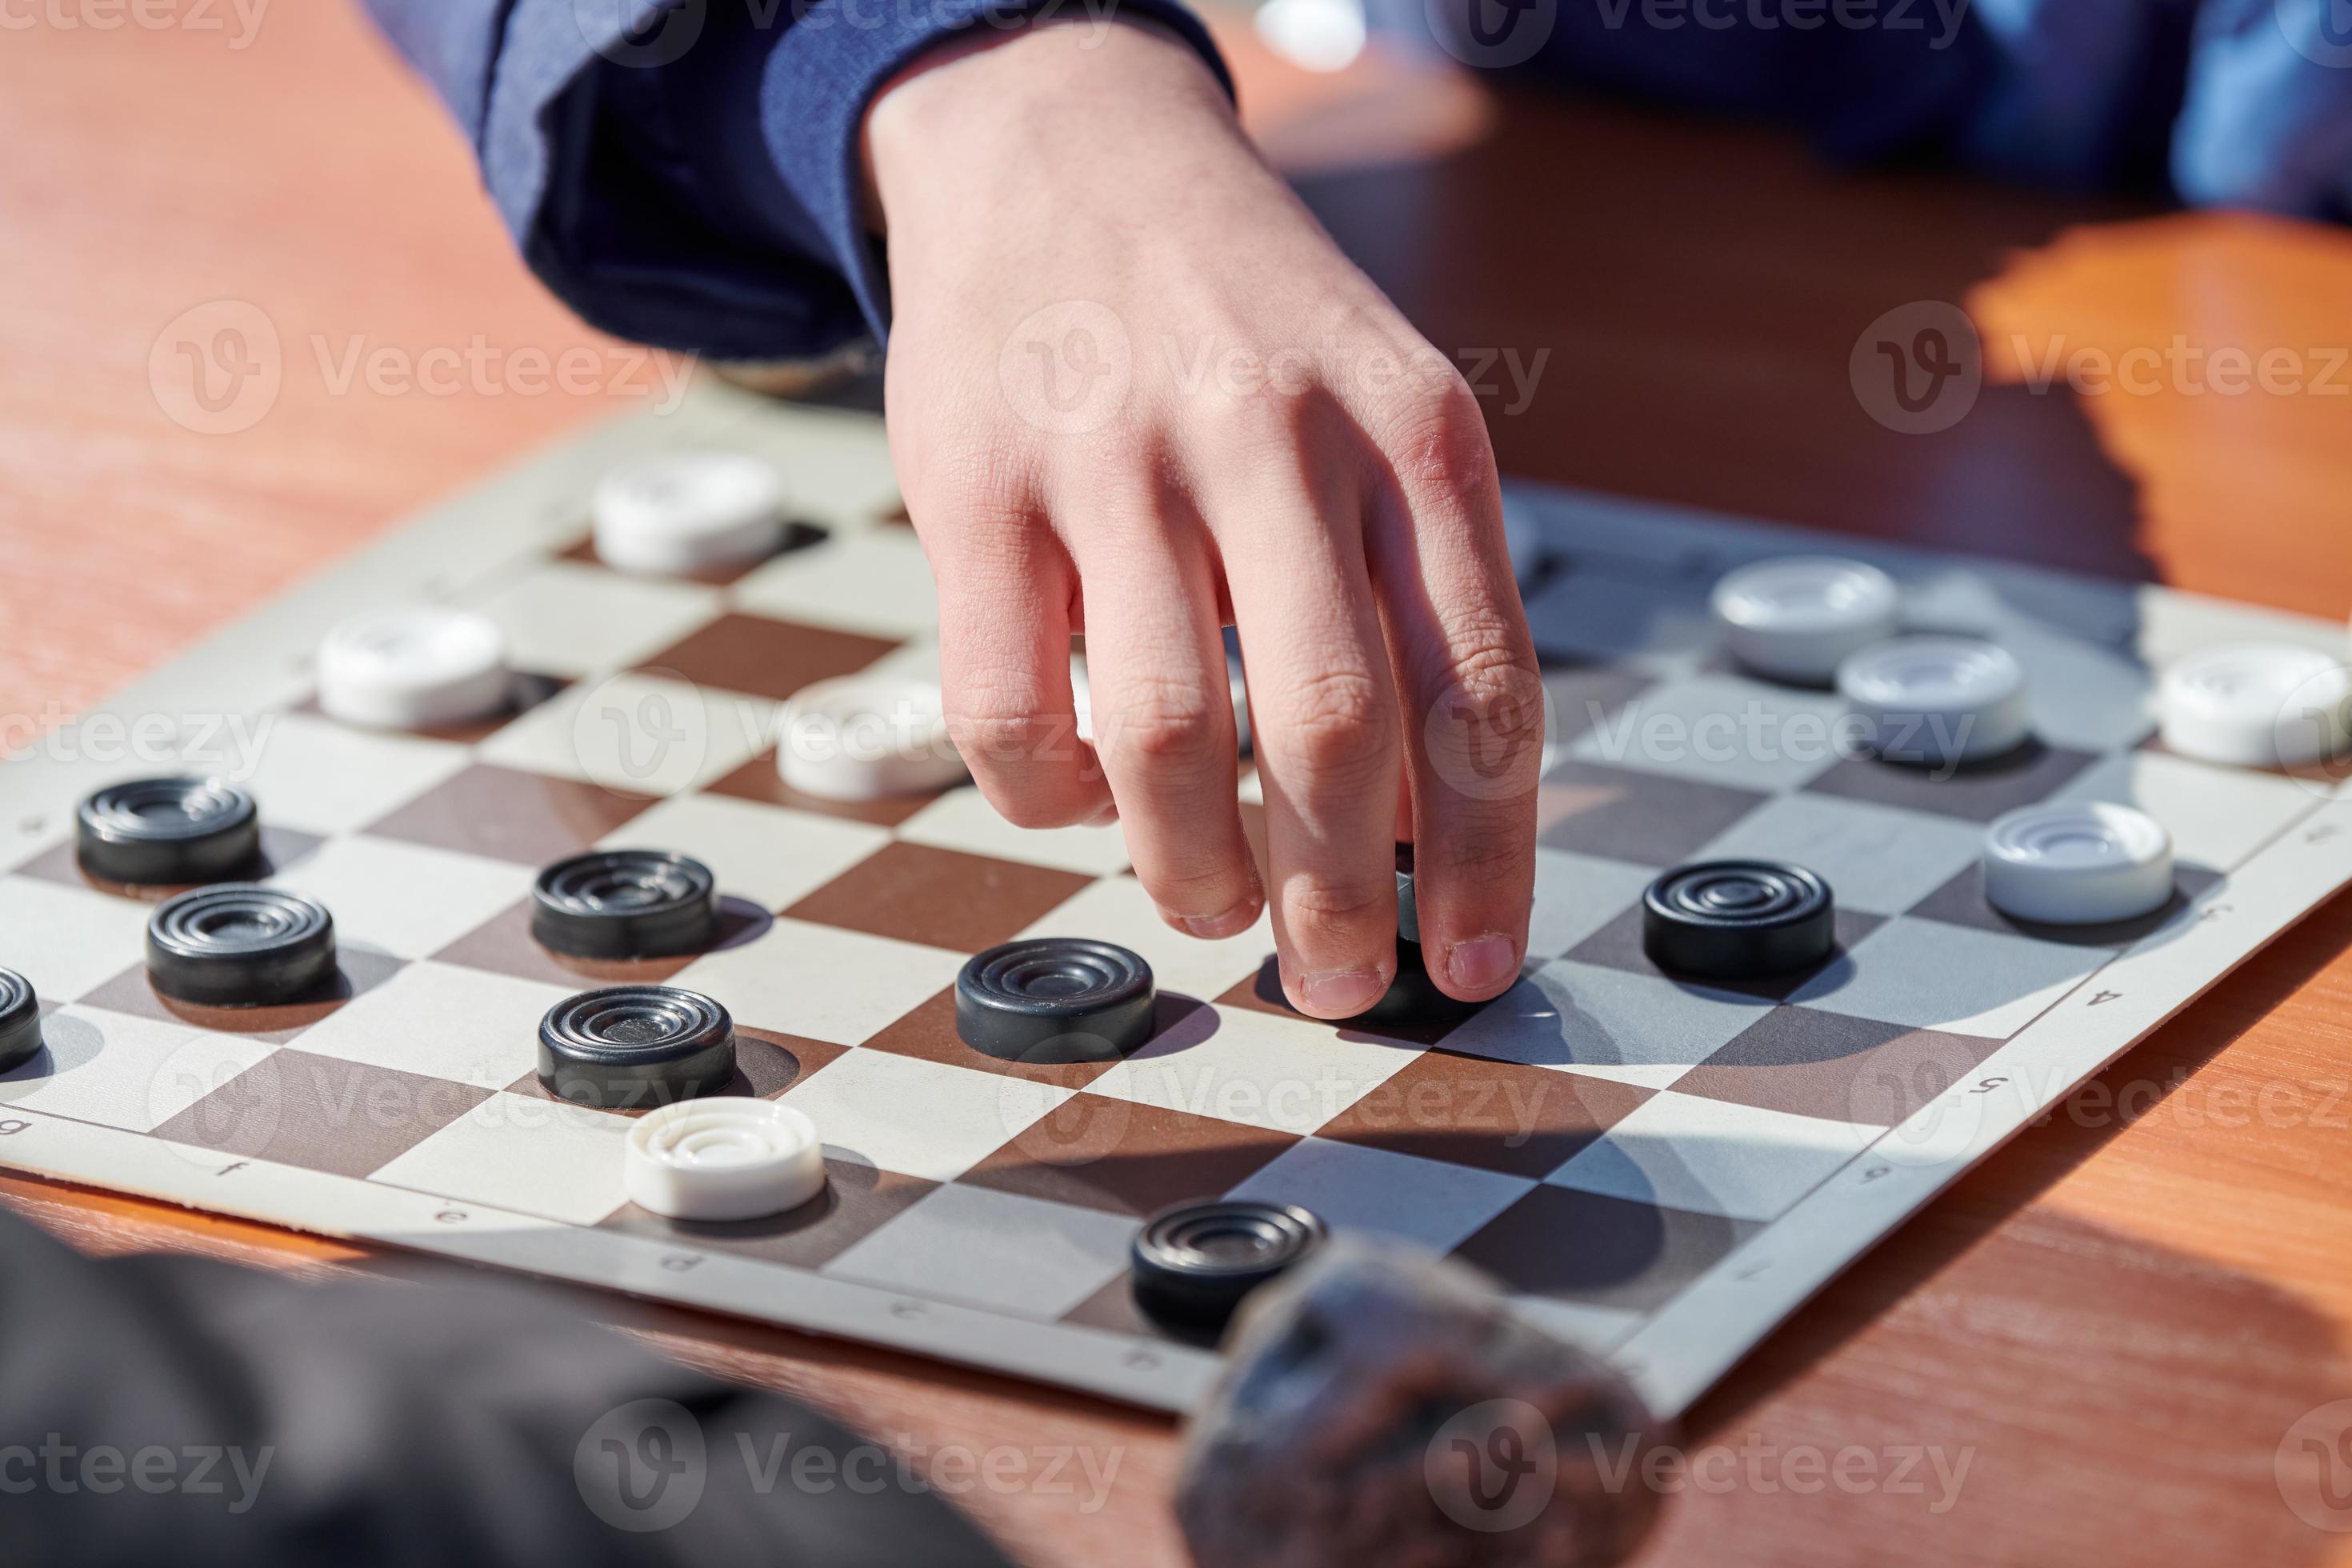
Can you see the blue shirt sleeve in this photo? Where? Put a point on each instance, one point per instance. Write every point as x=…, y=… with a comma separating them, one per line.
x=685, y=173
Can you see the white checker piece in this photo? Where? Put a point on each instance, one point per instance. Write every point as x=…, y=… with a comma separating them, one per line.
x=514, y=1152
x=121, y=1071
x=820, y=980
x=1640, y=1030
x=771, y=855
x=955, y=1242
x=408, y=899
x=1713, y=1156
x=1357, y=1187
x=444, y=1020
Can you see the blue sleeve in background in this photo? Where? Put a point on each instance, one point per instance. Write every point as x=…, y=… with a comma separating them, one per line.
x=685, y=171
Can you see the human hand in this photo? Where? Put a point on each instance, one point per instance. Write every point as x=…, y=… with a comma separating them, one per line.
x=1135, y=391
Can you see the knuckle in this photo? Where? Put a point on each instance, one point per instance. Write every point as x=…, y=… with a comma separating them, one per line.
x=1337, y=727
x=1208, y=889
x=1330, y=903
x=1440, y=438
x=1166, y=723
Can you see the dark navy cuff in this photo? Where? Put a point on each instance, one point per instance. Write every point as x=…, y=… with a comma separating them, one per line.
x=826, y=68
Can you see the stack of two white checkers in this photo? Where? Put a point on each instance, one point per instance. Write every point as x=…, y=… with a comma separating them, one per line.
x=1960, y=702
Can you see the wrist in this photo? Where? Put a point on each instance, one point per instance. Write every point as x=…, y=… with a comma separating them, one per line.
x=1009, y=108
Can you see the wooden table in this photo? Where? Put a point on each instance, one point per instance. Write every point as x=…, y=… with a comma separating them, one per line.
x=2116, y=1318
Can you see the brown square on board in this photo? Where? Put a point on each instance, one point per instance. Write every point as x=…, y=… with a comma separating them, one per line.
x=1262, y=993
x=928, y=1032
x=280, y=849
x=859, y=1200
x=1618, y=945
x=942, y=898
x=322, y=1113
x=759, y=780
x=357, y=970
x=1976, y=792
x=1590, y=808
x=1498, y=1116
x=766, y=1063
x=1603, y=1251
x=1824, y=1064
x=504, y=946
x=509, y=815
x=764, y=656
x=1115, y=1308
x=1104, y=1153
x=797, y=536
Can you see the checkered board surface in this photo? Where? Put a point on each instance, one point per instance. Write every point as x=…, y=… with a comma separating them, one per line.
x=1660, y=1170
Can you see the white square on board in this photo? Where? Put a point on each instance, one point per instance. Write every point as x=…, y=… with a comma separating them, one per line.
x=820, y=980
x=1720, y=730
x=1930, y=976
x=2217, y=815
x=409, y=899
x=1607, y=1023
x=1879, y=858
x=1356, y=1187
x=1576, y=895
x=123, y=1071
x=1237, y=1064
x=953, y=1244
x=1687, y=1152
x=638, y=734
x=919, y=1118
x=65, y=940
x=1118, y=910
x=571, y=618
x=768, y=854
x=319, y=776
x=868, y=580
x=467, y=1025
x=515, y=1151
x=962, y=819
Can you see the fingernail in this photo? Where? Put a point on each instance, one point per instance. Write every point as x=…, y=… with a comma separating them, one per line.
x=1483, y=962
x=1342, y=993
x=1103, y=818
x=1214, y=928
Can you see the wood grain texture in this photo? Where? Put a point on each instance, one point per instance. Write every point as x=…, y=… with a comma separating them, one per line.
x=2116, y=1318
